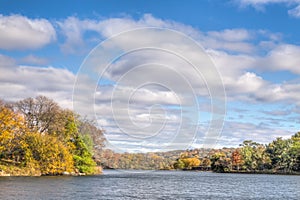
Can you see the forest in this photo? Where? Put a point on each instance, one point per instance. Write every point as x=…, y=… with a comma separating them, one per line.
x=279, y=156
x=38, y=137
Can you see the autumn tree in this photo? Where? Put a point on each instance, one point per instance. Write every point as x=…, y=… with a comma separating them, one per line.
x=11, y=129
x=236, y=159
x=220, y=162
x=206, y=163
x=48, y=154
x=187, y=160
x=39, y=133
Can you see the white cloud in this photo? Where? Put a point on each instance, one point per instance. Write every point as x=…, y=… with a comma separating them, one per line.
x=282, y=57
x=239, y=70
x=74, y=29
x=18, y=82
x=231, y=35
x=19, y=32
x=150, y=105
x=259, y=5
x=242, y=82
x=295, y=12
x=237, y=132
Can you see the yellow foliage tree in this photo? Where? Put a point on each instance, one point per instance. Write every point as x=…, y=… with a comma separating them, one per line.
x=191, y=162
x=50, y=154
x=12, y=127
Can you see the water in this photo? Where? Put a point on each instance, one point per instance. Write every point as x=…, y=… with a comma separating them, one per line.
x=153, y=185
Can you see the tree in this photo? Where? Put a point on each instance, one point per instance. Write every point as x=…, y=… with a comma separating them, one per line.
x=81, y=146
x=41, y=114
x=191, y=162
x=247, y=154
x=220, y=163
x=206, y=163
x=83, y=157
x=236, y=159
x=186, y=161
x=11, y=129
x=294, y=152
x=278, y=151
x=254, y=156
x=92, y=136
x=47, y=153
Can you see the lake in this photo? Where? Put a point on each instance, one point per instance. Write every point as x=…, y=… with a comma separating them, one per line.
x=153, y=185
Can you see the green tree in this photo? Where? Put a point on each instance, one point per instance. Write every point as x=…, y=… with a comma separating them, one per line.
x=179, y=164
x=278, y=151
x=294, y=152
x=83, y=157
x=254, y=156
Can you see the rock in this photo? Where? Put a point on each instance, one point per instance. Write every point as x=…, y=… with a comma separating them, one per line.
x=73, y=174
x=66, y=174
x=2, y=173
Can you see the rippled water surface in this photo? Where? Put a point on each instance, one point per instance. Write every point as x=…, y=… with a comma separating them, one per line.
x=153, y=185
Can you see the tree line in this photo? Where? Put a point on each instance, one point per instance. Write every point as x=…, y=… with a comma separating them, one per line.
x=37, y=136
x=279, y=156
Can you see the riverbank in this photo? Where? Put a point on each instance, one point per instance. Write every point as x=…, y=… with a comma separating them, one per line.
x=262, y=172
x=11, y=170
x=247, y=172
x=26, y=171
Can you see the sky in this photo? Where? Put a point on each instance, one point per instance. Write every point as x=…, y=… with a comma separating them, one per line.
x=246, y=85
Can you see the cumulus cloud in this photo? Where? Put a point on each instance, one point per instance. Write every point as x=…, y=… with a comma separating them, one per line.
x=18, y=82
x=237, y=132
x=142, y=109
x=160, y=81
x=282, y=57
x=233, y=51
x=242, y=82
x=232, y=35
x=74, y=29
x=19, y=32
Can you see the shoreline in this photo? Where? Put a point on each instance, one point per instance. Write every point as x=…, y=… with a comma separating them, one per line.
x=281, y=174
x=100, y=172
x=31, y=172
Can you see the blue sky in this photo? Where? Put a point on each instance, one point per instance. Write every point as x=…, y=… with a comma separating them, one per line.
x=254, y=44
